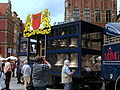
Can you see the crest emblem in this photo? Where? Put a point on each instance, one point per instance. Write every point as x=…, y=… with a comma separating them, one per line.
x=42, y=20
x=36, y=20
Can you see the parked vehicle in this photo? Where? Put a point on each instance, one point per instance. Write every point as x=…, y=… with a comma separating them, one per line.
x=111, y=56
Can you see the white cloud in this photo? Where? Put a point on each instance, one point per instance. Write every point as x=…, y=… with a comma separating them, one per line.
x=56, y=7
x=25, y=7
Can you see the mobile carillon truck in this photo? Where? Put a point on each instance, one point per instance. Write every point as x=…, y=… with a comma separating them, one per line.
x=111, y=56
x=79, y=42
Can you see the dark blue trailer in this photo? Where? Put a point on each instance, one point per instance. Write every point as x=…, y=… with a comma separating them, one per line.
x=80, y=42
x=111, y=56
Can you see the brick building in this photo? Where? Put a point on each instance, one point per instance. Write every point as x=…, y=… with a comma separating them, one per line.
x=118, y=17
x=96, y=12
x=9, y=28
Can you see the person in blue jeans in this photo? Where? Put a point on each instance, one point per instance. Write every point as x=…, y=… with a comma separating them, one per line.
x=39, y=73
x=66, y=75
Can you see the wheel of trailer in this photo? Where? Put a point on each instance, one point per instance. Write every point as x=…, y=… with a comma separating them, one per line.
x=110, y=85
x=57, y=86
x=97, y=85
x=118, y=84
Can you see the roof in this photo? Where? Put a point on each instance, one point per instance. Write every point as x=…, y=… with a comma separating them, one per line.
x=3, y=7
x=86, y=27
x=112, y=29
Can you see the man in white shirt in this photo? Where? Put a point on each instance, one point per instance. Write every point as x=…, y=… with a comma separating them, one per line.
x=66, y=75
x=26, y=71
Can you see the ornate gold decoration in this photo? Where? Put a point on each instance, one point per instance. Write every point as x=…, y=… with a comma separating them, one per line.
x=46, y=26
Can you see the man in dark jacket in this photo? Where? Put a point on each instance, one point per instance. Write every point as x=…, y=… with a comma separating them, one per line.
x=39, y=73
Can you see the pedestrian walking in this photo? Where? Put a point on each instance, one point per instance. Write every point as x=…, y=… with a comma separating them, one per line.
x=2, y=81
x=26, y=71
x=7, y=72
x=13, y=66
x=39, y=74
x=66, y=76
x=3, y=65
x=18, y=71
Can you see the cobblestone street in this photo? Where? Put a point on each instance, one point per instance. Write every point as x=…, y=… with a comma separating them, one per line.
x=15, y=86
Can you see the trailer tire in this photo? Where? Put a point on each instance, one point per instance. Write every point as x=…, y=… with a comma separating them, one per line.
x=97, y=85
x=118, y=85
x=57, y=86
x=110, y=85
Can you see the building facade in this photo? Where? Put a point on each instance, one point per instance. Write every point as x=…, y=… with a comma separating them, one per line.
x=96, y=12
x=9, y=28
x=118, y=17
x=16, y=31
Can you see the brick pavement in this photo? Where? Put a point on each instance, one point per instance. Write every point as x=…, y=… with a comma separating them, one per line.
x=15, y=86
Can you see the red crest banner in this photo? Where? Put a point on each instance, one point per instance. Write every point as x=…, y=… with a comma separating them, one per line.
x=36, y=19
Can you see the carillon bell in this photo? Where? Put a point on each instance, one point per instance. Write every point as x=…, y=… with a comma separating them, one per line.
x=74, y=60
x=73, y=42
x=54, y=43
x=66, y=57
x=60, y=59
x=97, y=63
x=63, y=43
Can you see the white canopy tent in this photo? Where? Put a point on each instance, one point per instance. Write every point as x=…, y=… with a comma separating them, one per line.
x=13, y=58
x=1, y=58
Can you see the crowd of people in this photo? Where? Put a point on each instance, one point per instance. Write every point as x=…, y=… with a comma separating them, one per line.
x=7, y=68
x=37, y=74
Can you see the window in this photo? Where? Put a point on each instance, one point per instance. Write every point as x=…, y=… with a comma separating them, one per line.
x=108, y=15
x=111, y=39
x=97, y=16
x=87, y=15
x=76, y=13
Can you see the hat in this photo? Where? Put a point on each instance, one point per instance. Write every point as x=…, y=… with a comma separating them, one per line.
x=66, y=62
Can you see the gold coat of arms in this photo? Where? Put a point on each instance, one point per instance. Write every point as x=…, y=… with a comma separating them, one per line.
x=37, y=24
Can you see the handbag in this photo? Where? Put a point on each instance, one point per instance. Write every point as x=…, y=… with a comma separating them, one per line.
x=30, y=85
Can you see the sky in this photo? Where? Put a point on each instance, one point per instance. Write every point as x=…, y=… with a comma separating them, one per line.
x=55, y=7
x=25, y=7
